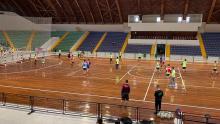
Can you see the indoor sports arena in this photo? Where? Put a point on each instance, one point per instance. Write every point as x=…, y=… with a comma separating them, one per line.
x=109, y=61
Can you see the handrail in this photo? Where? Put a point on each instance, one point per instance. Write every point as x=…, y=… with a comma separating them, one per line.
x=125, y=42
x=98, y=112
x=100, y=42
x=30, y=40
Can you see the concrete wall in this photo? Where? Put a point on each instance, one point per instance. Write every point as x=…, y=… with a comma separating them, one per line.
x=161, y=41
x=12, y=21
x=89, y=27
x=15, y=22
x=212, y=28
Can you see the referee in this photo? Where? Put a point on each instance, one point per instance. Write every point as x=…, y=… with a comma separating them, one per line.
x=158, y=99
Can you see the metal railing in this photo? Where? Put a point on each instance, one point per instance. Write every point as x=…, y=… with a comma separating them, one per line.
x=93, y=109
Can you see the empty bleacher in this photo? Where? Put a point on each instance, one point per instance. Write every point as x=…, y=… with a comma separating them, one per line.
x=2, y=40
x=163, y=35
x=69, y=41
x=57, y=33
x=113, y=42
x=131, y=48
x=212, y=43
x=39, y=39
x=19, y=38
x=185, y=50
x=91, y=41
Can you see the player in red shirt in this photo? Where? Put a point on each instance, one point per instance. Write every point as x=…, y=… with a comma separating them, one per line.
x=125, y=90
x=168, y=70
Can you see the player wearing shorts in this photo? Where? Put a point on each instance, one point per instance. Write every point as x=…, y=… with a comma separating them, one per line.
x=35, y=59
x=173, y=78
x=120, y=55
x=215, y=68
x=72, y=60
x=125, y=90
x=69, y=56
x=168, y=70
x=111, y=57
x=59, y=54
x=161, y=62
x=158, y=66
x=88, y=64
x=117, y=63
x=43, y=61
x=184, y=64
x=84, y=66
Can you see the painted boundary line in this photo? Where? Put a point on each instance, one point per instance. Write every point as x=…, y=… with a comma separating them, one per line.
x=151, y=80
x=34, y=69
x=108, y=97
x=127, y=72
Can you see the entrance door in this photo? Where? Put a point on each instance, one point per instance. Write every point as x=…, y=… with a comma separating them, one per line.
x=161, y=50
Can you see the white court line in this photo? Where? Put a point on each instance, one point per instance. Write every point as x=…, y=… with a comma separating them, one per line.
x=108, y=97
x=183, y=83
x=32, y=69
x=95, y=77
x=127, y=72
x=73, y=72
x=151, y=80
x=203, y=87
x=137, y=76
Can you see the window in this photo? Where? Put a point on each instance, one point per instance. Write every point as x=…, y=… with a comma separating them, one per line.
x=158, y=19
x=136, y=18
x=187, y=19
x=180, y=19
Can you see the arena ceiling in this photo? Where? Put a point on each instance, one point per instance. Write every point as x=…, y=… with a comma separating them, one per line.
x=110, y=11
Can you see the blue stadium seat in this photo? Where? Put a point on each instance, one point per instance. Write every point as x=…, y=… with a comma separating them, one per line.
x=212, y=43
x=91, y=41
x=131, y=48
x=185, y=50
x=113, y=42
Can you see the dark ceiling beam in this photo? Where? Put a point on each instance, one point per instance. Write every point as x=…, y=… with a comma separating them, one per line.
x=90, y=11
x=216, y=11
x=186, y=9
x=67, y=10
x=109, y=10
x=35, y=8
x=45, y=10
x=162, y=9
x=24, y=7
x=81, y=12
x=51, y=5
x=100, y=12
x=72, y=10
x=119, y=11
x=64, y=15
x=18, y=7
x=139, y=7
x=211, y=11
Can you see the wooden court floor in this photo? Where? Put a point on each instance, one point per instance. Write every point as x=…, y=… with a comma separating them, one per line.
x=197, y=91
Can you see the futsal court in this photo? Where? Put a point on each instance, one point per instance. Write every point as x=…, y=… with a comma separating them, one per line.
x=197, y=90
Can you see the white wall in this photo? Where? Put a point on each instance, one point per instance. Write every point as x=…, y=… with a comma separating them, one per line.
x=12, y=21
x=161, y=41
x=164, y=26
x=212, y=28
x=89, y=27
x=15, y=22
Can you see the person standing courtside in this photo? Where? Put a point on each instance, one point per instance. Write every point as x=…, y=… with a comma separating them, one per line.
x=117, y=63
x=125, y=90
x=111, y=57
x=184, y=64
x=158, y=99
